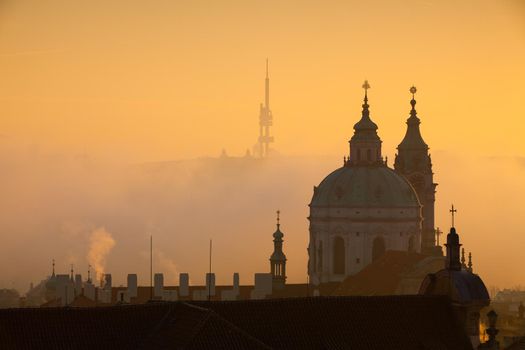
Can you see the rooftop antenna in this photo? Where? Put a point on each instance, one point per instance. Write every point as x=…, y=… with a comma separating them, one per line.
x=209, y=275
x=151, y=266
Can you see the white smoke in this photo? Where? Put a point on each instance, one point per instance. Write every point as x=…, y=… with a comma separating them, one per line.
x=101, y=243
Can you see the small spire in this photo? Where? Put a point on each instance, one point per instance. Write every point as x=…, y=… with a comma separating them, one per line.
x=278, y=218
x=366, y=86
x=413, y=91
x=463, y=258
x=71, y=272
x=469, y=262
x=53, y=268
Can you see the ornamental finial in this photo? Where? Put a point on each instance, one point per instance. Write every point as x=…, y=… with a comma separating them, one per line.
x=365, y=86
x=413, y=91
x=278, y=218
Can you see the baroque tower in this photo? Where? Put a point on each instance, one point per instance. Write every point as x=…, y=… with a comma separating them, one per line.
x=278, y=259
x=361, y=209
x=414, y=162
x=265, y=121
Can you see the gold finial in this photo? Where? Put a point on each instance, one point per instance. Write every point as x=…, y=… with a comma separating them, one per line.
x=413, y=90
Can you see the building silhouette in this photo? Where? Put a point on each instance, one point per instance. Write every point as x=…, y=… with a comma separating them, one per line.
x=414, y=162
x=365, y=208
x=262, y=148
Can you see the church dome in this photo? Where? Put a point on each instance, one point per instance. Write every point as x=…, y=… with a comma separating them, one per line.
x=364, y=186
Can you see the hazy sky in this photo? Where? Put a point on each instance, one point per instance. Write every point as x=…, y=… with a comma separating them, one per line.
x=127, y=81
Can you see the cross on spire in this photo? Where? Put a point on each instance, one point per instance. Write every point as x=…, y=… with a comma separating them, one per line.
x=278, y=217
x=366, y=86
x=453, y=212
x=438, y=233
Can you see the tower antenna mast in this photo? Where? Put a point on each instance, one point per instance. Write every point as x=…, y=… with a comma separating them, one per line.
x=209, y=274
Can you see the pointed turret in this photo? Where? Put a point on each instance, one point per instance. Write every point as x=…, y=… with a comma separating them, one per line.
x=413, y=139
x=453, y=246
x=365, y=144
x=414, y=162
x=278, y=259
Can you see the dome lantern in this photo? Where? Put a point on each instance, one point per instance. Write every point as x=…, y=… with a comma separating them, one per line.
x=365, y=144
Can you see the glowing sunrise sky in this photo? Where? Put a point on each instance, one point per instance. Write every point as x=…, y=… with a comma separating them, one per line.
x=128, y=81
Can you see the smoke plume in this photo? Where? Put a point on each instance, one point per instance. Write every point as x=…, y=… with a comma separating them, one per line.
x=100, y=244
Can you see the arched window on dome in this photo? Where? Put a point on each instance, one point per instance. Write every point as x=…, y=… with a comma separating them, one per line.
x=339, y=256
x=378, y=247
x=411, y=244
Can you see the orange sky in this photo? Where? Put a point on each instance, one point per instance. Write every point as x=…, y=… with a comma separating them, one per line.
x=131, y=81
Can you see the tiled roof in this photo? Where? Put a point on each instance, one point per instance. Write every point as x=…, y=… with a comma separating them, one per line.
x=393, y=322
x=390, y=322
x=381, y=277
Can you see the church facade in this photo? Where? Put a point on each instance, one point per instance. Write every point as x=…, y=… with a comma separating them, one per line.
x=365, y=207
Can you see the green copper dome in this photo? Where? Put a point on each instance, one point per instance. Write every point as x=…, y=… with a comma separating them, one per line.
x=364, y=186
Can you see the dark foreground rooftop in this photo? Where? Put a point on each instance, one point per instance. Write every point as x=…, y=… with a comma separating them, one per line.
x=391, y=322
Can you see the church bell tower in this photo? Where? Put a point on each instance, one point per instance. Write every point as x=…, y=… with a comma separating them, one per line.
x=278, y=259
x=414, y=162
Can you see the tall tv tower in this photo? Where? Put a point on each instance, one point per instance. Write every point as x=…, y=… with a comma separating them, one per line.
x=265, y=120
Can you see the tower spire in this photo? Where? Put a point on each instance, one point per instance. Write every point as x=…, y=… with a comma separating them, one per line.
x=53, y=274
x=267, y=89
x=453, y=246
x=265, y=120
x=278, y=259
x=469, y=266
x=365, y=144
x=413, y=161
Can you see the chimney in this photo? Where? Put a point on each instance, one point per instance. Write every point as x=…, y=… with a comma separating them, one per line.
x=65, y=290
x=89, y=290
x=236, y=282
x=78, y=284
x=184, y=282
x=107, y=280
x=210, y=284
x=132, y=285
x=158, y=285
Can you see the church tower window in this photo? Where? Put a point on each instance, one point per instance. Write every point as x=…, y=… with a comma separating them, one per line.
x=339, y=256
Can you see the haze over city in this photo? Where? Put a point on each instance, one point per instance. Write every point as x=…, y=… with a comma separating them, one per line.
x=112, y=111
